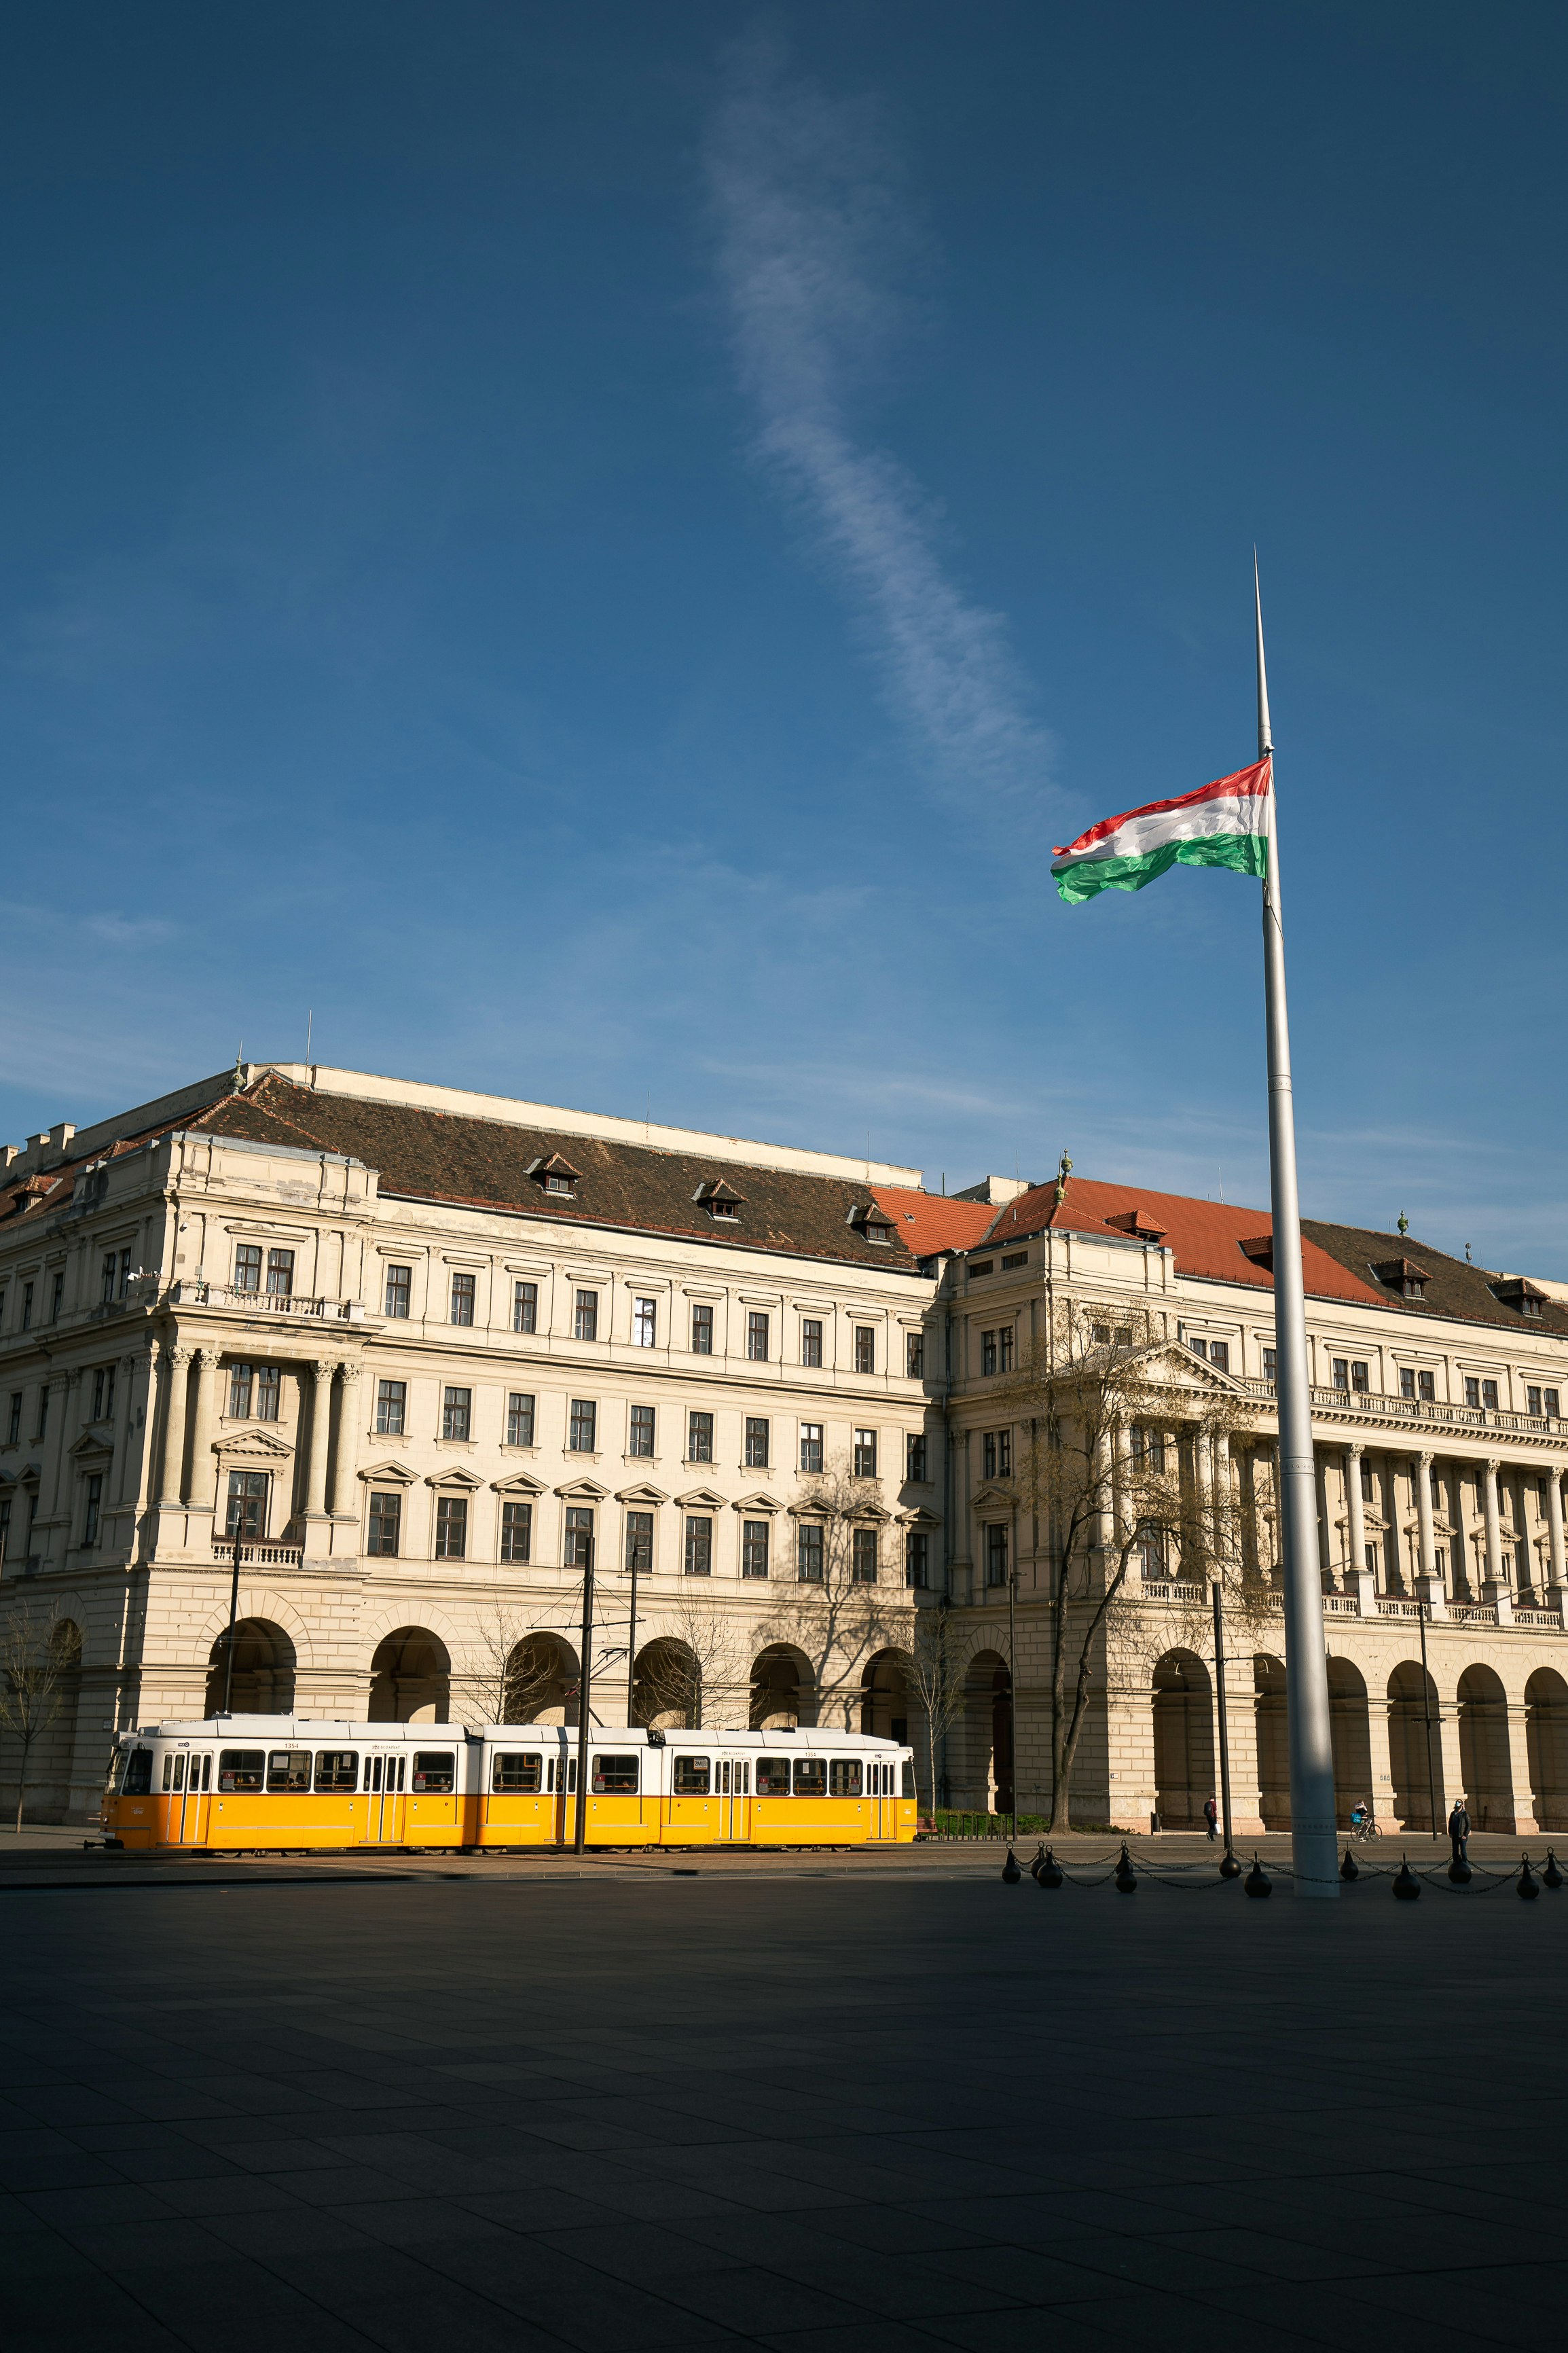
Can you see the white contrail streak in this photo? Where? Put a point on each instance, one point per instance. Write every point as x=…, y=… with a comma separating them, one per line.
x=811, y=234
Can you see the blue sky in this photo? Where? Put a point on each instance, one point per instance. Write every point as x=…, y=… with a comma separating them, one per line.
x=599, y=548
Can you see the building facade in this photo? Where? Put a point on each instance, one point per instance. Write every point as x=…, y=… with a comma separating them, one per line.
x=423, y=1353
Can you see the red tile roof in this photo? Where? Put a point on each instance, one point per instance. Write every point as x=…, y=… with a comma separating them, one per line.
x=930, y=1222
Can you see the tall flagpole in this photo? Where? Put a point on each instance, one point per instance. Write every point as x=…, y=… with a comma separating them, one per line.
x=1314, y=1847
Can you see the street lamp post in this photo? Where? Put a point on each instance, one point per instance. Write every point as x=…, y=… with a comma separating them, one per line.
x=585, y=1678
x=233, y=1611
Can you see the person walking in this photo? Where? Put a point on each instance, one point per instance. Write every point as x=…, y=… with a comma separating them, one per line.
x=1211, y=1816
x=1460, y=1830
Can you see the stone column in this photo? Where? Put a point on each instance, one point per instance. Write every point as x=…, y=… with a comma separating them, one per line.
x=339, y=1500
x=65, y=1387
x=172, y=1443
x=1325, y=1521
x=1361, y=1580
x=203, y=1374
x=320, y=1423
x=1429, y=1586
x=1554, y=1531
x=1493, y=1588
x=120, y=1461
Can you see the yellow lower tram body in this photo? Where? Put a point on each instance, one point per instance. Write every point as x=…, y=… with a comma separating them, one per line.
x=260, y=1783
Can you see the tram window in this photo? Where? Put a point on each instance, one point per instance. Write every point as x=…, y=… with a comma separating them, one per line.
x=434, y=1770
x=844, y=1778
x=724, y=1776
x=337, y=1768
x=169, y=1781
x=374, y=1770
x=692, y=1777
x=614, y=1776
x=288, y=1769
x=241, y=1769
x=909, y=1770
x=743, y=1779
x=811, y=1776
x=517, y=1773
x=138, y=1782
x=773, y=1776
x=207, y=1772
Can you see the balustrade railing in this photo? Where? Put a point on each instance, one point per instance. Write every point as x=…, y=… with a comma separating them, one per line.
x=299, y=1305
x=1443, y=1415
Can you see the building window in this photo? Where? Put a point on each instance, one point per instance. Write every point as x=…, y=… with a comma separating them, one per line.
x=5, y=1529
x=640, y=1436
x=456, y=1413
x=240, y=1380
x=93, y=1506
x=811, y=1446
x=585, y=1317
x=43, y=1415
x=645, y=1323
x=754, y=1548
x=1219, y=1354
x=280, y=1273
x=917, y=1560
x=1488, y=1396
x=863, y=1555
x=14, y=1425
x=639, y=1542
x=701, y=1331
x=247, y=1505
x=1341, y=1372
x=579, y=1544
x=1366, y=1483
x=1270, y=1363
x=391, y=1405
x=516, y=1531
x=582, y=1426
x=756, y=1443
x=915, y=1456
x=808, y=1552
x=864, y=1460
x=104, y=1393
x=757, y=1336
x=1549, y=1398
x=399, y=1289
x=996, y=1453
x=699, y=1547
x=1472, y=1391
x=1004, y=1342
x=1361, y=1378
x=248, y=1267
x=1148, y=1449
x=124, y=1285
x=700, y=1438
x=914, y=1355
x=385, y=1524
x=107, y=1292
x=995, y=1553
x=811, y=1340
x=269, y=1391
x=462, y=1298
x=27, y=1307
x=988, y=1352
x=519, y=1419
x=451, y=1527
x=525, y=1306
x=865, y=1349
x=1531, y=1402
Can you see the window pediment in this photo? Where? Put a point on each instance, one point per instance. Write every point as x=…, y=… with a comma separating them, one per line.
x=641, y=1495
x=584, y=1491
x=248, y=1445
x=755, y=1503
x=457, y=1479
x=389, y=1474
x=518, y=1484
x=703, y=1497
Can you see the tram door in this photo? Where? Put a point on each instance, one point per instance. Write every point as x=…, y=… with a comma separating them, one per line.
x=561, y=1772
x=190, y=1798
x=882, y=1775
x=385, y=1776
x=734, y=1781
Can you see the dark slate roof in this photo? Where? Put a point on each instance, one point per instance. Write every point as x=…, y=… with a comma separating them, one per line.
x=1453, y=1286
x=432, y=1155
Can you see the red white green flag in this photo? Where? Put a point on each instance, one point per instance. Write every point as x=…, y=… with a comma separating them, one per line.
x=1223, y=824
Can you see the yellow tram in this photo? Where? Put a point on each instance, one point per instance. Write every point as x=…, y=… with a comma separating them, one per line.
x=266, y=1782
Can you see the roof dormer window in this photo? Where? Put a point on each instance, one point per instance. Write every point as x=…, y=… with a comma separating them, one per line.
x=554, y=1176
x=1514, y=1291
x=720, y=1200
x=1403, y=1276
x=871, y=1221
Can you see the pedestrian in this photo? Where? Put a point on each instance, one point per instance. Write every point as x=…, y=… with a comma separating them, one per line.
x=1211, y=1816
x=1460, y=1830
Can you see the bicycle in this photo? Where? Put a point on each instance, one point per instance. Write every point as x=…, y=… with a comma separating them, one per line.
x=1363, y=1827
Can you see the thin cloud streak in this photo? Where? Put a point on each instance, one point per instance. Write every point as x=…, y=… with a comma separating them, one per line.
x=811, y=237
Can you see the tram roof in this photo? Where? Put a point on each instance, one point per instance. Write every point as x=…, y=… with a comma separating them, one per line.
x=316, y=1728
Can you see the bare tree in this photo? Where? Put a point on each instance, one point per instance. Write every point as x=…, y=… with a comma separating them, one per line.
x=836, y=1612
x=691, y=1666
x=936, y=1676
x=38, y=1655
x=1121, y=1438
x=510, y=1668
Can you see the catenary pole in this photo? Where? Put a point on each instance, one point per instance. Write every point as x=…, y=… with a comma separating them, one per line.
x=585, y=1685
x=1314, y=1848
x=1224, y=1721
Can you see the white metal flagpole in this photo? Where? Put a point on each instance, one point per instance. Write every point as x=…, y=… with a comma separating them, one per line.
x=1314, y=1847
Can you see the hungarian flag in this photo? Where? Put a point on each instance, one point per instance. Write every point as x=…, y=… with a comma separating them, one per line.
x=1223, y=824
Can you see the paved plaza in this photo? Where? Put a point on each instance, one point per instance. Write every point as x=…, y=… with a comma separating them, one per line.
x=868, y=2104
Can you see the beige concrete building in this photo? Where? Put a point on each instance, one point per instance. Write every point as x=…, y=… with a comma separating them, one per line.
x=422, y=1349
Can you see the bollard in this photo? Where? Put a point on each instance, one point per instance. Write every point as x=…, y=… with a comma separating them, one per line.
x=1529, y=1885
x=1551, y=1876
x=1460, y=1872
x=1126, y=1878
x=1257, y=1882
x=1050, y=1873
x=1348, y=1867
x=1010, y=1871
x=1038, y=1865
x=1406, y=1887
x=1229, y=1866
